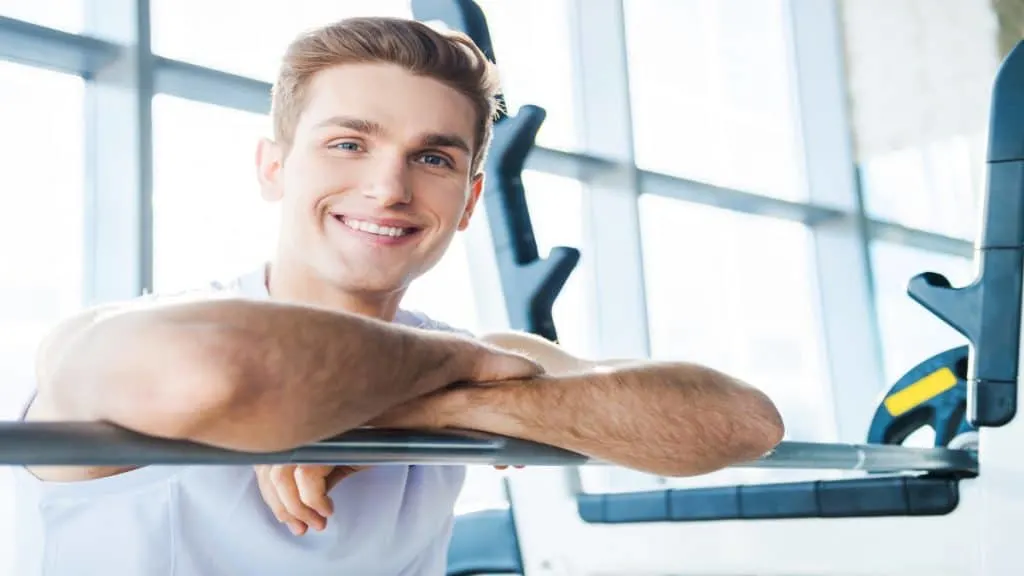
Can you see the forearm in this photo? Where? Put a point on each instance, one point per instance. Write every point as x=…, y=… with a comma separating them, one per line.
x=248, y=375
x=667, y=419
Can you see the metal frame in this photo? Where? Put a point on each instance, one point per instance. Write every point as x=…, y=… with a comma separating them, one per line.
x=99, y=444
x=119, y=145
x=114, y=56
x=604, y=115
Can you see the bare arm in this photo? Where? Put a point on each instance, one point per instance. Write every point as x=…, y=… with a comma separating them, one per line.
x=248, y=375
x=672, y=419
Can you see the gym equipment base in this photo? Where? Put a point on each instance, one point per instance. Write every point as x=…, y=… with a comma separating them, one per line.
x=100, y=444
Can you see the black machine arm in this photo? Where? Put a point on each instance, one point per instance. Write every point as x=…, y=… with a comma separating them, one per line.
x=988, y=311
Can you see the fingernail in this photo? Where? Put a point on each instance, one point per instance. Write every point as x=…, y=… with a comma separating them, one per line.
x=296, y=528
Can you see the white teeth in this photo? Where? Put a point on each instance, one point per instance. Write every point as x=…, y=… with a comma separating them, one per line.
x=374, y=228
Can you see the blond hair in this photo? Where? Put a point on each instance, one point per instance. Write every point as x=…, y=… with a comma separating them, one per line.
x=450, y=57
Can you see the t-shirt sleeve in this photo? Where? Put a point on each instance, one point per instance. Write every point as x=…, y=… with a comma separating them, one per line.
x=419, y=319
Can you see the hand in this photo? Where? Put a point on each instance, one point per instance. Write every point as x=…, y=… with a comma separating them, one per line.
x=297, y=494
x=478, y=362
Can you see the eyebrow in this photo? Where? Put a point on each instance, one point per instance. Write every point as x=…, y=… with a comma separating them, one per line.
x=372, y=128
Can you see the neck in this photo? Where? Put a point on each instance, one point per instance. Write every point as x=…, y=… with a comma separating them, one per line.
x=291, y=281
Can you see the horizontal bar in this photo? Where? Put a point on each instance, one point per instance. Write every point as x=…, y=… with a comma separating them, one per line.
x=736, y=200
x=875, y=458
x=98, y=444
x=920, y=239
x=33, y=45
x=578, y=166
x=210, y=86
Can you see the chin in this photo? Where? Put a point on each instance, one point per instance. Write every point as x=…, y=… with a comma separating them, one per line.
x=359, y=280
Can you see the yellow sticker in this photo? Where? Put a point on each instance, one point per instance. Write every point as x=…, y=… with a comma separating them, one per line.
x=920, y=392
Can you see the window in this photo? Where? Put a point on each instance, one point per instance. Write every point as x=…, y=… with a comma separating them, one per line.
x=734, y=292
x=244, y=37
x=66, y=15
x=910, y=333
x=710, y=88
x=41, y=234
x=209, y=221
x=41, y=226
x=533, y=48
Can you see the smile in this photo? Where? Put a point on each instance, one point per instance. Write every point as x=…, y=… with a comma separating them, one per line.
x=385, y=232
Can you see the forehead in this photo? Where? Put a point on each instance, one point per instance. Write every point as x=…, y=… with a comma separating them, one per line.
x=406, y=105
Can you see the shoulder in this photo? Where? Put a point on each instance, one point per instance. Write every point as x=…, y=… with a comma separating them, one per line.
x=418, y=319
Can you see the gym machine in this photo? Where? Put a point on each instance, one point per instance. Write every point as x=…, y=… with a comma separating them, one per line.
x=898, y=510
x=948, y=509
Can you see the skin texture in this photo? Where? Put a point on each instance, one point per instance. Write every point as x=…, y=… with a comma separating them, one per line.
x=376, y=143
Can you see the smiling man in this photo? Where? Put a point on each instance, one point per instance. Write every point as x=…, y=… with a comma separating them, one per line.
x=380, y=131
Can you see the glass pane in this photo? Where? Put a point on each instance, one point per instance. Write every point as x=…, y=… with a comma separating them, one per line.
x=936, y=187
x=532, y=44
x=710, y=85
x=245, y=37
x=734, y=292
x=909, y=332
x=209, y=221
x=66, y=15
x=41, y=234
x=920, y=113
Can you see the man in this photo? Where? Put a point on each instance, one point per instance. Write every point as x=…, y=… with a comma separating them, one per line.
x=380, y=130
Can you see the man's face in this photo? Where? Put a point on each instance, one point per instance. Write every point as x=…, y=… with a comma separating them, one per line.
x=377, y=179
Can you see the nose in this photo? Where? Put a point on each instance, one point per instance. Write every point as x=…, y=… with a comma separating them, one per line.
x=388, y=183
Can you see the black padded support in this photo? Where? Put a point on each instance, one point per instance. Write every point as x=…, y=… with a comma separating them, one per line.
x=988, y=311
x=484, y=543
x=530, y=283
x=848, y=498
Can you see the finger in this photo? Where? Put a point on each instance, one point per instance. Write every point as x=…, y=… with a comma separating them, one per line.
x=500, y=365
x=312, y=485
x=269, y=492
x=284, y=481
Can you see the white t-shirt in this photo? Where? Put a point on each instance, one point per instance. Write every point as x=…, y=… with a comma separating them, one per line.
x=211, y=520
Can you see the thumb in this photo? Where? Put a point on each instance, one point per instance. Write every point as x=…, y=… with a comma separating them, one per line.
x=340, y=473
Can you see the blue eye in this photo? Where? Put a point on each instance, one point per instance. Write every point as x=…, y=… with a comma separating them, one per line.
x=435, y=160
x=347, y=145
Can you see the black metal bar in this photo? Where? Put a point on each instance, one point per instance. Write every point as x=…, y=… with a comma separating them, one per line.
x=99, y=444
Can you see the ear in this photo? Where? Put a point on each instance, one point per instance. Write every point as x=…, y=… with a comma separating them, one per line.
x=269, y=158
x=475, y=188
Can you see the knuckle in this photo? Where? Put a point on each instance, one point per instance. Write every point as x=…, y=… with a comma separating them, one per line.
x=279, y=473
